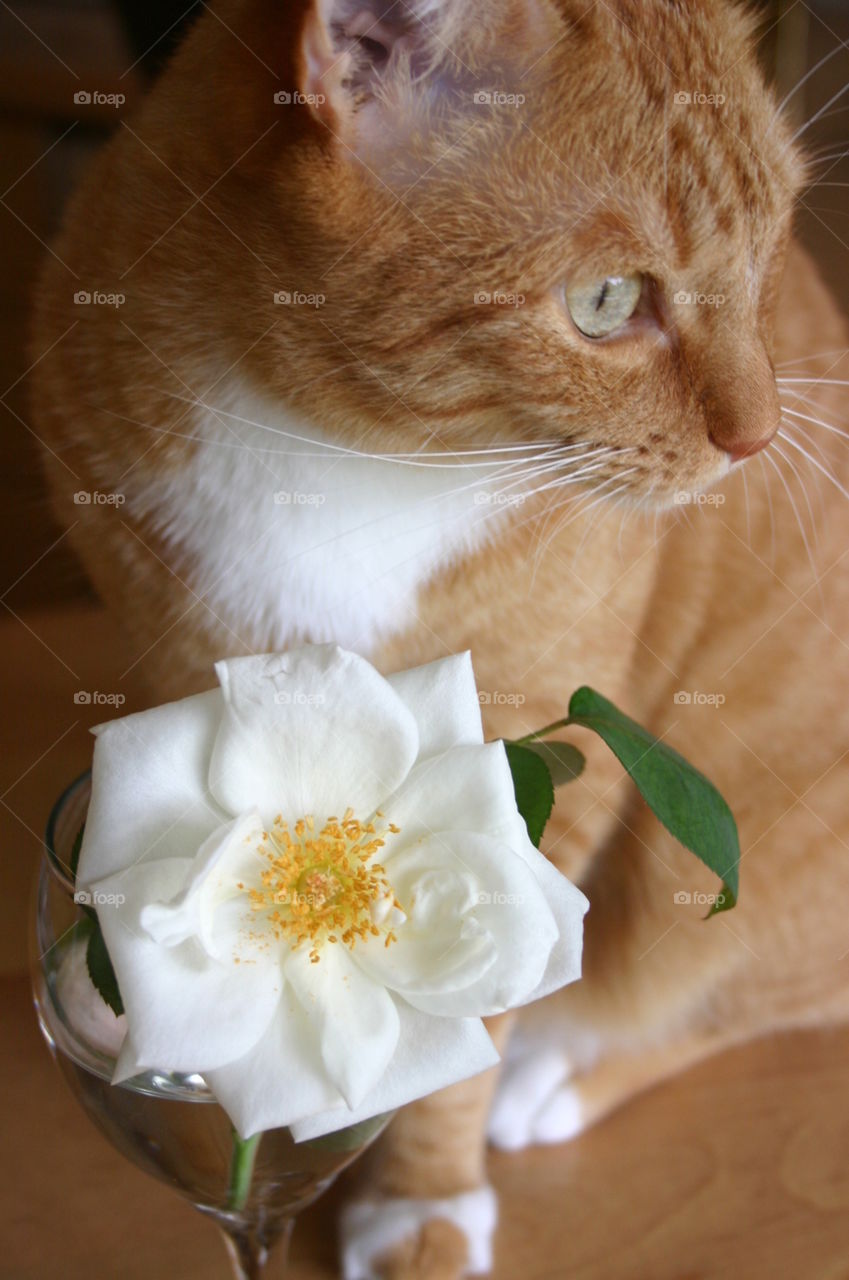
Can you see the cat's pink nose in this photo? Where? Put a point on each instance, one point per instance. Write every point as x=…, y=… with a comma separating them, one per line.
x=739, y=450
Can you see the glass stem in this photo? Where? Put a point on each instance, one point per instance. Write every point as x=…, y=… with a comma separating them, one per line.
x=241, y=1171
x=250, y=1251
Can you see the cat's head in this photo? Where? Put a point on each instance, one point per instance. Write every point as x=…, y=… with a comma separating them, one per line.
x=539, y=222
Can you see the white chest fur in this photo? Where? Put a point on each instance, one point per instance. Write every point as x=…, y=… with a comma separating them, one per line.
x=292, y=537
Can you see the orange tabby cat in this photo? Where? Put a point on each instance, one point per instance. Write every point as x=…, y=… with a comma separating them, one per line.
x=435, y=316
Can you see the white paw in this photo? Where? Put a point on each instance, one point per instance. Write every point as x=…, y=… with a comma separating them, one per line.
x=369, y=1230
x=534, y=1103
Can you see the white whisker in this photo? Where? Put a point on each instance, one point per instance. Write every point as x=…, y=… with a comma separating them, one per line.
x=817, y=422
x=814, y=118
x=593, y=497
x=490, y=514
x=748, y=506
x=776, y=448
x=800, y=84
x=603, y=497
x=412, y=456
x=832, y=159
x=818, y=355
x=808, y=438
x=828, y=475
x=771, y=460
x=768, y=492
x=813, y=382
x=553, y=508
x=322, y=449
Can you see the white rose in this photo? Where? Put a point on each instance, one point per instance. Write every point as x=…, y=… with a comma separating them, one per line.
x=321, y=884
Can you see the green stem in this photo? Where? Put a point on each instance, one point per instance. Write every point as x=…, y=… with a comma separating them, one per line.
x=241, y=1170
x=543, y=733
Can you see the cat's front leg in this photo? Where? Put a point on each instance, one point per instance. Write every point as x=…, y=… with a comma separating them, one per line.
x=427, y=1212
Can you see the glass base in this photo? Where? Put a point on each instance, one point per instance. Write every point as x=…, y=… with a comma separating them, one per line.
x=257, y=1251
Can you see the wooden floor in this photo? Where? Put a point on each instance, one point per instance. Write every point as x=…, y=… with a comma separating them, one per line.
x=738, y=1169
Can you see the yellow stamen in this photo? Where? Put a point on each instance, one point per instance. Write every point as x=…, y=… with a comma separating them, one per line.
x=319, y=887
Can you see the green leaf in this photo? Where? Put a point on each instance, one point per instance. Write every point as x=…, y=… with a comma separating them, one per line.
x=73, y=865
x=75, y=852
x=683, y=799
x=101, y=972
x=565, y=762
x=533, y=787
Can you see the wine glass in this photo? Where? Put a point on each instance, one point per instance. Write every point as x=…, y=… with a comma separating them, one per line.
x=168, y=1124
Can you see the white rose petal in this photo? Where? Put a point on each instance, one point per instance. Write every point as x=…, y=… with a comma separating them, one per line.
x=568, y=906
x=225, y=860
x=280, y=1080
x=312, y=731
x=186, y=1011
x=356, y=1020
x=462, y=789
x=442, y=946
x=432, y=1053
x=493, y=919
x=149, y=792
x=444, y=699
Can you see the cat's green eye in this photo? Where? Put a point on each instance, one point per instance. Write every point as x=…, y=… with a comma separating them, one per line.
x=603, y=307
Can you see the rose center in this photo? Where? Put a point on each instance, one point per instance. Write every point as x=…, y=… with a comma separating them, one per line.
x=324, y=885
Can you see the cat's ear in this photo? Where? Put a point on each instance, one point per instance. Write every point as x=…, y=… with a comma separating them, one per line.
x=373, y=71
